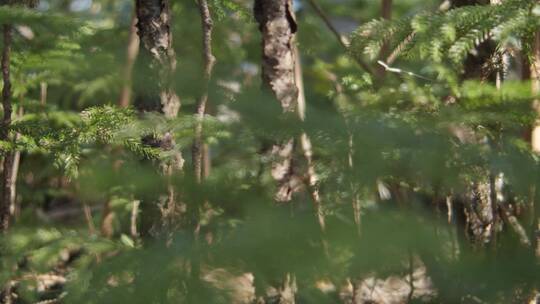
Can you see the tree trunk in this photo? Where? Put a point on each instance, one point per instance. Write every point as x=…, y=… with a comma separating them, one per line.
x=13, y=208
x=480, y=209
x=535, y=82
x=312, y=179
x=209, y=60
x=282, y=74
x=4, y=131
x=535, y=138
x=157, y=93
x=278, y=27
x=154, y=31
x=132, y=52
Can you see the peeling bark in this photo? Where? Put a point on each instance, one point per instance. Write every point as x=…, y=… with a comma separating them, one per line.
x=156, y=38
x=154, y=30
x=156, y=44
x=415, y=286
x=283, y=171
x=283, y=76
x=278, y=27
x=239, y=288
x=480, y=212
x=481, y=208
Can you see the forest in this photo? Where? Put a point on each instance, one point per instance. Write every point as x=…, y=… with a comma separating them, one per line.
x=270, y=151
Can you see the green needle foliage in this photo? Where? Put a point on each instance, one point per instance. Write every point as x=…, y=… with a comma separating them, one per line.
x=401, y=158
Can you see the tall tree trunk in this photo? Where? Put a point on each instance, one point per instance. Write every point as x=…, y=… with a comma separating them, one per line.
x=535, y=138
x=535, y=82
x=154, y=31
x=282, y=75
x=278, y=27
x=13, y=208
x=386, y=9
x=480, y=209
x=199, y=149
x=7, y=172
x=132, y=52
x=158, y=95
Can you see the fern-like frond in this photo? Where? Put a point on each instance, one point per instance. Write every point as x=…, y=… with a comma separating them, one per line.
x=450, y=35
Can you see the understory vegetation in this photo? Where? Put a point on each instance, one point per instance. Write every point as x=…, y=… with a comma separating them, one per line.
x=270, y=151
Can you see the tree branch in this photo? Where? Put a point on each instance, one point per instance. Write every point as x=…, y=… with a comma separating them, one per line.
x=342, y=40
x=209, y=61
x=132, y=52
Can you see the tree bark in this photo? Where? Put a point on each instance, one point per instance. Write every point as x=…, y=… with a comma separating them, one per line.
x=154, y=31
x=7, y=173
x=481, y=209
x=535, y=82
x=305, y=142
x=278, y=27
x=535, y=138
x=132, y=52
x=13, y=208
x=209, y=61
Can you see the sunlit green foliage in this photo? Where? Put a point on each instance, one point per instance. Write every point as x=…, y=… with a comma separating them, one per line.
x=401, y=134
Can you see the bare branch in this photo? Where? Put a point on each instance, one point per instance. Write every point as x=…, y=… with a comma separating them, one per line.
x=132, y=52
x=209, y=61
x=134, y=214
x=342, y=40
